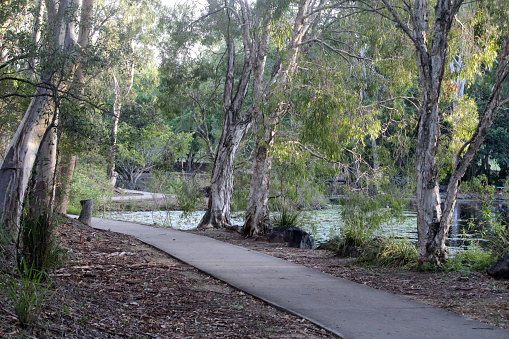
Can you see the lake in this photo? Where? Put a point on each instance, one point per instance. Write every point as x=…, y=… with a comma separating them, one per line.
x=322, y=224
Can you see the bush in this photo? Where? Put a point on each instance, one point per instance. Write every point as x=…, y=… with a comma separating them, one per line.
x=493, y=226
x=38, y=248
x=187, y=190
x=285, y=217
x=363, y=216
x=473, y=259
x=26, y=292
x=390, y=252
x=89, y=182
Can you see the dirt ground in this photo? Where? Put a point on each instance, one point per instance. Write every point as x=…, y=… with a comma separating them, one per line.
x=475, y=295
x=113, y=286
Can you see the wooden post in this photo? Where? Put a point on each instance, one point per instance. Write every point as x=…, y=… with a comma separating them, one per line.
x=86, y=211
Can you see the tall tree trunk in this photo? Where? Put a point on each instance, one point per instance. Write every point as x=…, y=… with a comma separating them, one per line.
x=218, y=213
x=431, y=61
x=235, y=126
x=257, y=210
x=266, y=121
x=66, y=167
x=67, y=161
x=17, y=164
x=110, y=170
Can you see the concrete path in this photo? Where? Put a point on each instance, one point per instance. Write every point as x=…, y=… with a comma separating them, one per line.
x=345, y=308
x=137, y=195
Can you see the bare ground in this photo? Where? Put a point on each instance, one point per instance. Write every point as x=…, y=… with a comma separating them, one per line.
x=113, y=286
x=474, y=295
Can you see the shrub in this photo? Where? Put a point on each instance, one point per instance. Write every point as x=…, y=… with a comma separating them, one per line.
x=285, y=217
x=89, y=182
x=363, y=216
x=493, y=227
x=26, y=292
x=473, y=259
x=390, y=252
x=185, y=189
x=38, y=248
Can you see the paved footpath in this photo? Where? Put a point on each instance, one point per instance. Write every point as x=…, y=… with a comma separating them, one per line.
x=345, y=308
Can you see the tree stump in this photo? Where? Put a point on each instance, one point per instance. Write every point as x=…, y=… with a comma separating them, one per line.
x=86, y=211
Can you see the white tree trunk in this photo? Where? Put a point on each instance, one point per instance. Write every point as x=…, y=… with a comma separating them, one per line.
x=42, y=185
x=17, y=164
x=110, y=171
x=266, y=122
x=235, y=126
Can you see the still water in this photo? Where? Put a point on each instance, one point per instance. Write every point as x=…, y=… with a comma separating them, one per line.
x=322, y=224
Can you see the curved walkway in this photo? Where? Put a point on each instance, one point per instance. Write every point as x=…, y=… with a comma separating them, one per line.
x=345, y=308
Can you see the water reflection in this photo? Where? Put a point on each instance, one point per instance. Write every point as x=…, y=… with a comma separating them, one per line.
x=326, y=223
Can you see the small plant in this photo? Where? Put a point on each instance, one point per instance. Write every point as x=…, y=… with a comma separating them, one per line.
x=285, y=218
x=26, y=289
x=493, y=227
x=390, y=252
x=37, y=248
x=473, y=259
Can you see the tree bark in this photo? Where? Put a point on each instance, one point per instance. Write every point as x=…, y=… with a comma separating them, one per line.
x=87, y=207
x=17, y=165
x=235, y=125
x=64, y=177
x=41, y=193
x=266, y=121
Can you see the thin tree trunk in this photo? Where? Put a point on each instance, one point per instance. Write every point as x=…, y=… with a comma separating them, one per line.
x=64, y=177
x=474, y=144
x=110, y=171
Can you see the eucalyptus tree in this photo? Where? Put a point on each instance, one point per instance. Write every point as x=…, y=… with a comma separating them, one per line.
x=429, y=31
x=57, y=63
x=290, y=31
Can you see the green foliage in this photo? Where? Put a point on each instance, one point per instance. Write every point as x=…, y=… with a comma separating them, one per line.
x=38, y=248
x=26, y=289
x=186, y=189
x=297, y=178
x=89, y=182
x=285, y=217
x=491, y=226
x=390, y=252
x=363, y=216
x=473, y=259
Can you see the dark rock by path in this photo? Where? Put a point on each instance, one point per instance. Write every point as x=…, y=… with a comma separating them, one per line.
x=292, y=237
x=501, y=268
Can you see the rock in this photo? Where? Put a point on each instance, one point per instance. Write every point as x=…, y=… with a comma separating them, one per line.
x=292, y=237
x=501, y=268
